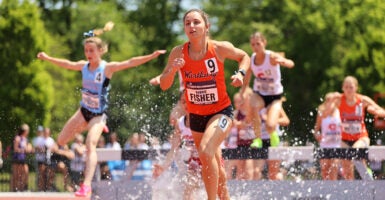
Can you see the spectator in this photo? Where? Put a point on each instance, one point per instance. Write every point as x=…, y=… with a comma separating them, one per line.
x=103, y=172
x=132, y=142
x=1, y=155
x=143, y=142
x=20, y=169
x=166, y=144
x=60, y=159
x=155, y=144
x=138, y=170
x=377, y=165
x=77, y=165
x=41, y=143
x=144, y=168
x=48, y=143
x=40, y=158
x=114, y=144
x=116, y=167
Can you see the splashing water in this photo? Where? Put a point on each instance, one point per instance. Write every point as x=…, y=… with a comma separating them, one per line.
x=172, y=183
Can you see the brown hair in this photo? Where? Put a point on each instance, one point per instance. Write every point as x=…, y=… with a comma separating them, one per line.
x=258, y=35
x=204, y=15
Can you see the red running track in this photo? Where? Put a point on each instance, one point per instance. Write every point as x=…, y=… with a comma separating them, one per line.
x=39, y=196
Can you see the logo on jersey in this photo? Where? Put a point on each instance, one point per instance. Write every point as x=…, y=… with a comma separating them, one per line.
x=332, y=127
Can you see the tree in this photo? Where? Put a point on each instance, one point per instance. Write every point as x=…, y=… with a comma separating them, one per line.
x=26, y=88
x=138, y=30
x=326, y=39
x=139, y=107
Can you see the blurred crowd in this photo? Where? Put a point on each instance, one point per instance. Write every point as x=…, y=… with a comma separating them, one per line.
x=48, y=159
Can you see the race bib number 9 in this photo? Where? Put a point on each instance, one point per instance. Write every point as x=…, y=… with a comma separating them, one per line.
x=211, y=66
x=223, y=123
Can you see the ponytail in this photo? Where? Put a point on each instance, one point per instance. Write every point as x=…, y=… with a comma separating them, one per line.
x=107, y=27
x=91, y=36
x=96, y=32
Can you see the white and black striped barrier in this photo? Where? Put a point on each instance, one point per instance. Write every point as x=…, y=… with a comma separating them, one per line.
x=275, y=153
x=250, y=190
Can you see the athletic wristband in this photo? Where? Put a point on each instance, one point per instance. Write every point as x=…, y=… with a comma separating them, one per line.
x=242, y=71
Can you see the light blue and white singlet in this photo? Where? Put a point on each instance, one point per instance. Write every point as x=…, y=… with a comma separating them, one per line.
x=95, y=89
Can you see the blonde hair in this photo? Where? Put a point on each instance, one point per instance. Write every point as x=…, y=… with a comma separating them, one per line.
x=107, y=27
x=327, y=100
x=96, y=40
x=351, y=79
x=22, y=129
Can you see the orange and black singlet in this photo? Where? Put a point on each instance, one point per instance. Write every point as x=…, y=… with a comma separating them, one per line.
x=353, y=120
x=204, y=81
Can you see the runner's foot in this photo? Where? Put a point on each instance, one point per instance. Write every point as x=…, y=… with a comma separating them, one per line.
x=84, y=191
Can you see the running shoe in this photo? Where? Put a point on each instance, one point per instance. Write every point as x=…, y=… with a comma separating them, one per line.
x=370, y=172
x=274, y=139
x=257, y=143
x=105, y=129
x=84, y=191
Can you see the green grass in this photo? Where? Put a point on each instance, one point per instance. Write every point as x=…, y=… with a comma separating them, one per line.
x=32, y=186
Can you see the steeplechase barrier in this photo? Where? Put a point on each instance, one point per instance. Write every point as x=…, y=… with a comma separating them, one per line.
x=262, y=189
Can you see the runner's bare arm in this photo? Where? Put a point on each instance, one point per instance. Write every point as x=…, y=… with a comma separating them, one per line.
x=174, y=63
x=373, y=108
x=132, y=62
x=226, y=50
x=64, y=63
x=276, y=58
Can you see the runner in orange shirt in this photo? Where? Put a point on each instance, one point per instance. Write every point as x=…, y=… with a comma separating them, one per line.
x=352, y=107
x=201, y=62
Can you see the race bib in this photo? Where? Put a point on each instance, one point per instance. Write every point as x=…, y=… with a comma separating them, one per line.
x=90, y=100
x=98, y=77
x=211, y=66
x=202, y=92
x=264, y=87
x=223, y=123
x=352, y=127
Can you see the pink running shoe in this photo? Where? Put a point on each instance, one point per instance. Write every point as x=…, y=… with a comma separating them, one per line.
x=105, y=129
x=84, y=191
